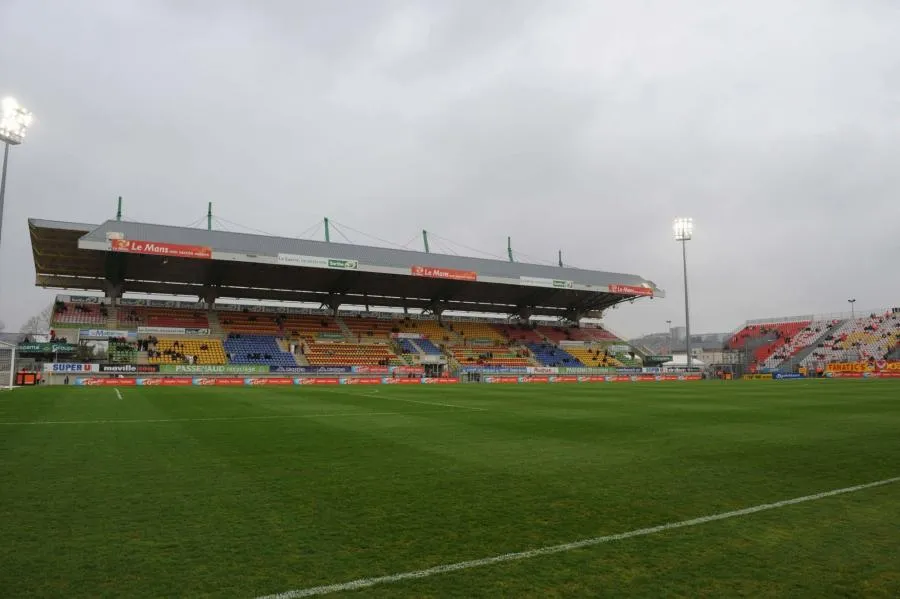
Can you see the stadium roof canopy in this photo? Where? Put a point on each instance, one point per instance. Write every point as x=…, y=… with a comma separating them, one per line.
x=120, y=257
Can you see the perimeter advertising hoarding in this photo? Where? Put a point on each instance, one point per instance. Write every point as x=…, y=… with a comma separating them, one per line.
x=877, y=366
x=154, y=248
x=129, y=368
x=313, y=369
x=317, y=381
x=863, y=375
x=208, y=369
x=554, y=283
x=317, y=262
x=45, y=348
x=164, y=381
x=301, y=381
x=105, y=334
x=171, y=331
x=630, y=290
x=66, y=368
x=434, y=272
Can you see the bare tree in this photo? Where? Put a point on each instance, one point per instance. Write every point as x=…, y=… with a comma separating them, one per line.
x=39, y=323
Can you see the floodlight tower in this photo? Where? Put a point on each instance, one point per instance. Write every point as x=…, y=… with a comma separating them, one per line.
x=852, y=303
x=684, y=231
x=14, y=123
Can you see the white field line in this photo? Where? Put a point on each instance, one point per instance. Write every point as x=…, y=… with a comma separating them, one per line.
x=362, y=583
x=118, y=394
x=228, y=418
x=392, y=398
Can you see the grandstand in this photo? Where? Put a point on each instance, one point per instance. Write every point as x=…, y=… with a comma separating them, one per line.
x=336, y=291
x=332, y=289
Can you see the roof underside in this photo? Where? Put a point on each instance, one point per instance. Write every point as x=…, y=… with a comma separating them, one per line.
x=241, y=266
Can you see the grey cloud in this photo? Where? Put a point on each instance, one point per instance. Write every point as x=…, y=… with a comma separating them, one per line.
x=584, y=126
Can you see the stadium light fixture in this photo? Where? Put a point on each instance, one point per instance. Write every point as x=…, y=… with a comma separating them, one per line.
x=684, y=232
x=14, y=123
x=852, y=301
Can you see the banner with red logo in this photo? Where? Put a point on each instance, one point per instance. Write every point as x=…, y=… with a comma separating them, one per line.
x=566, y=379
x=101, y=382
x=154, y=248
x=392, y=381
x=501, y=379
x=253, y=382
x=317, y=381
x=360, y=381
x=408, y=369
x=534, y=379
x=879, y=366
x=434, y=272
x=371, y=369
x=166, y=381
x=433, y=381
x=630, y=290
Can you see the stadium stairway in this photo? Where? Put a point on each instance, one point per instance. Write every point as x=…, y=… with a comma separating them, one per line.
x=112, y=320
x=215, y=327
x=894, y=354
x=348, y=334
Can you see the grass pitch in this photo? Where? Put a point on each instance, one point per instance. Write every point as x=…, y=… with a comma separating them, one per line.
x=202, y=492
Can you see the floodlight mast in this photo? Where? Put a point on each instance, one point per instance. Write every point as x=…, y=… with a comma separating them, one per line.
x=684, y=231
x=14, y=123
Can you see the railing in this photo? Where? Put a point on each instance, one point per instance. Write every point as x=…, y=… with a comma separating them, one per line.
x=816, y=317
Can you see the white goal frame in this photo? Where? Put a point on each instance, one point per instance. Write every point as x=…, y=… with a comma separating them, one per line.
x=7, y=380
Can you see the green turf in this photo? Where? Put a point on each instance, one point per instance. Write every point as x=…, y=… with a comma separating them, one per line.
x=280, y=489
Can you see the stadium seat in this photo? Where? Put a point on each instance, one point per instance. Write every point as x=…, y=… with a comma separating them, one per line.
x=78, y=314
x=550, y=355
x=861, y=339
x=257, y=349
x=207, y=351
x=132, y=317
x=351, y=354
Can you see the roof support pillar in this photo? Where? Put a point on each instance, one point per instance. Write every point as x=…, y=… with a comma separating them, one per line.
x=334, y=302
x=209, y=295
x=113, y=290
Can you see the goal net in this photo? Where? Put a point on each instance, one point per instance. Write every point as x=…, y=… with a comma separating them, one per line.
x=7, y=365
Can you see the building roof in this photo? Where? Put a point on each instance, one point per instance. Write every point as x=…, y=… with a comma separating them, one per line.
x=150, y=258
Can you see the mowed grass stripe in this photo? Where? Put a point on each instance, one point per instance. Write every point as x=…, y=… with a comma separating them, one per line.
x=243, y=507
x=362, y=583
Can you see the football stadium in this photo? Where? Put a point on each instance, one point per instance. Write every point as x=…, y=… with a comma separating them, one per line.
x=313, y=418
x=247, y=409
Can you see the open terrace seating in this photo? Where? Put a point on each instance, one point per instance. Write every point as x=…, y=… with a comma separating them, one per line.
x=549, y=355
x=477, y=333
x=78, y=314
x=122, y=352
x=860, y=339
x=429, y=348
x=587, y=334
x=520, y=333
x=350, y=354
x=257, y=349
x=250, y=323
x=180, y=351
x=310, y=327
x=594, y=357
x=431, y=329
x=490, y=356
x=135, y=316
x=795, y=344
x=366, y=328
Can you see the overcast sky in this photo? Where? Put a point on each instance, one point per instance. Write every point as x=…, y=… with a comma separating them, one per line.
x=581, y=126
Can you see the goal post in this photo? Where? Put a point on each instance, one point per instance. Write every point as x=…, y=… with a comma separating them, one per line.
x=7, y=365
